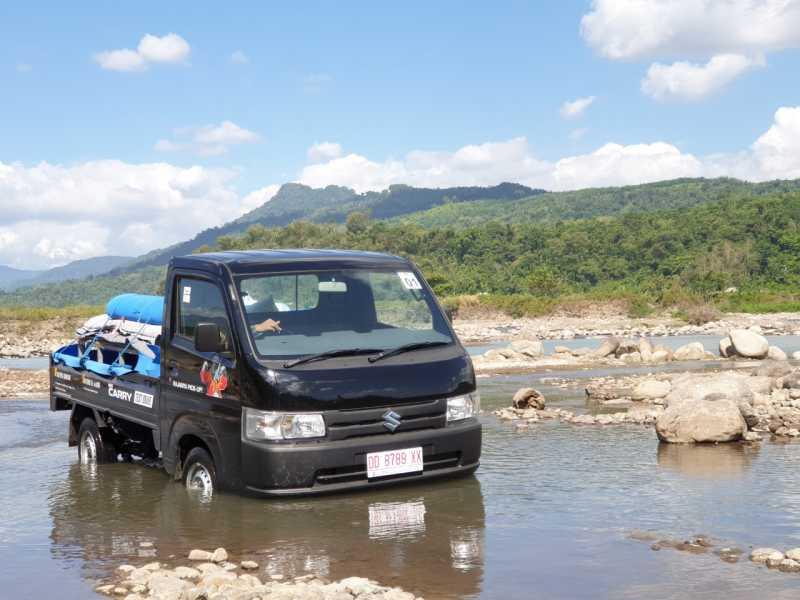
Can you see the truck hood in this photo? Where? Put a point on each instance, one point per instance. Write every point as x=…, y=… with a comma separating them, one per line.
x=356, y=383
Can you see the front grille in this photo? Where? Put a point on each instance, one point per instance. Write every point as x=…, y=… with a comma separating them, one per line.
x=430, y=462
x=347, y=424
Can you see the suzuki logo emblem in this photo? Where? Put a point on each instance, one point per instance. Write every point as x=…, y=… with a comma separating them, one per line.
x=391, y=420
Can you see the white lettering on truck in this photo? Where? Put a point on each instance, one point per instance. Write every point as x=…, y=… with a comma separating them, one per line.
x=115, y=392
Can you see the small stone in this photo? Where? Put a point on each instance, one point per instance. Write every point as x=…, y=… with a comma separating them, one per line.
x=186, y=572
x=200, y=555
x=793, y=554
x=761, y=555
x=787, y=565
x=120, y=591
x=105, y=589
x=145, y=544
x=153, y=566
x=126, y=568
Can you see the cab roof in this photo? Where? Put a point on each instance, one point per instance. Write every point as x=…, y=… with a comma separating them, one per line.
x=252, y=261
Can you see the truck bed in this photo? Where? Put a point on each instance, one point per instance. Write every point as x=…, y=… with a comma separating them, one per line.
x=133, y=396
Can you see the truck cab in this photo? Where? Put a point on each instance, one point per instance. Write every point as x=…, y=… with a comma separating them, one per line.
x=289, y=372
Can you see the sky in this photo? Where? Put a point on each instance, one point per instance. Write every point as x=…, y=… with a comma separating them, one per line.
x=126, y=127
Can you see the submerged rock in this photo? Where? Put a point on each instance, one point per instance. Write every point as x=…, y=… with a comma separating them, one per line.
x=692, y=351
x=701, y=421
x=608, y=347
x=528, y=398
x=761, y=555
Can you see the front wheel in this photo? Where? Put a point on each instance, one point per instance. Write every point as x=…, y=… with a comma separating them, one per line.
x=93, y=447
x=199, y=474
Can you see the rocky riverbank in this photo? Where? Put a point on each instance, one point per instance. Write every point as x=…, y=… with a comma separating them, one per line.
x=24, y=339
x=213, y=575
x=603, y=325
x=23, y=383
x=528, y=354
x=741, y=404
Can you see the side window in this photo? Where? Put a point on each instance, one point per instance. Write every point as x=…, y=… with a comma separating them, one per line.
x=199, y=301
x=280, y=293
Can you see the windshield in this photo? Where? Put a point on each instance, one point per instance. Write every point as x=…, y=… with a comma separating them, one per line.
x=297, y=314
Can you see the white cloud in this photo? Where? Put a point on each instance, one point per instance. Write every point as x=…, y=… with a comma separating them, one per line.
x=120, y=60
x=687, y=82
x=775, y=155
x=170, y=48
x=614, y=164
x=208, y=140
x=52, y=214
x=239, y=58
x=637, y=29
x=322, y=151
x=575, y=108
x=482, y=164
x=733, y=36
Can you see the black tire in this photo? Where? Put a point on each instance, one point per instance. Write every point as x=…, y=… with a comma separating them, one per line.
x=95, y=447
x=199, y=473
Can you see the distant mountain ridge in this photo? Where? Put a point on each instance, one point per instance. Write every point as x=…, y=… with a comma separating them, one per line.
x=11, y=278
x=332, y=204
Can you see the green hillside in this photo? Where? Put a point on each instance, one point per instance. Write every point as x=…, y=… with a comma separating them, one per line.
x=596, y=202
x=332, y=204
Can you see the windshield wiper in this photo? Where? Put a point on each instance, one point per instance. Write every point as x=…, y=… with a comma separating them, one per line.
x=330, y=354
x=406, y=348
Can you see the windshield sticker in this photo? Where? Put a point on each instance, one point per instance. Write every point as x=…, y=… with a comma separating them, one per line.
x=187, y=294
x=410, y=281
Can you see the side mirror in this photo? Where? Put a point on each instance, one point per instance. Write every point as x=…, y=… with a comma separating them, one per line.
x=207, y=338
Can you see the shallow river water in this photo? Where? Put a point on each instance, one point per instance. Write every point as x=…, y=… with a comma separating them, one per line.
x=547, y=515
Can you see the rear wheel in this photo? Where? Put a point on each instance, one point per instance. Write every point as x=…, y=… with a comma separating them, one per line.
x=94, y=448
x=199, y=474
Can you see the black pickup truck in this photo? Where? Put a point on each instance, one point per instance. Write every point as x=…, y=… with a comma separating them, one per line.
x=282, y=372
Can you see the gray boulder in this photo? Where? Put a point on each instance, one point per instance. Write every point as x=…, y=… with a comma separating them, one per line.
x=651, y=389
x=713, y=420
x=775, y=353
x=693, y=387
x=608, y=347
x=528, y=398
x=749, y=344
x=530, y=348
x=692, y=351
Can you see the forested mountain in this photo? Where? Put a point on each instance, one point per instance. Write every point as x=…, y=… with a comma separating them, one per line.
x=596, y=202
x=11, y=277
x=332, y=205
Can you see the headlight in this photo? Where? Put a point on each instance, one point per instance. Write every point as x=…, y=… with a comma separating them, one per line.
x=463, y=407
x=261, y=425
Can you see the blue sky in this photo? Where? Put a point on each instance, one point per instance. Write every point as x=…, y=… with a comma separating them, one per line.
x=380, y=82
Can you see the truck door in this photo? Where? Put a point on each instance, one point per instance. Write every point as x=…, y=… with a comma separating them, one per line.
x=200, y=390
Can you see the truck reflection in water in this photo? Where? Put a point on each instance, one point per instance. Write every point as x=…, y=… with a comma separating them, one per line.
x=427, y=539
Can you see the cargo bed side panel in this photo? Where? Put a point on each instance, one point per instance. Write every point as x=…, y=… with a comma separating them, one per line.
x=134, y=398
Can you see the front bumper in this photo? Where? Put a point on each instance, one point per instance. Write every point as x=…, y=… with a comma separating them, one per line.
x=317, y=468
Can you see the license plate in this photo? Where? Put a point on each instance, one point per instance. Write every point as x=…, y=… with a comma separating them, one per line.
x=394, y=462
